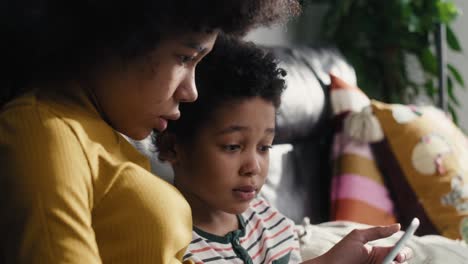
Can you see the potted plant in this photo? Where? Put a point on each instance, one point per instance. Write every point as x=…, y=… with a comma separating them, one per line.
x=387, y=41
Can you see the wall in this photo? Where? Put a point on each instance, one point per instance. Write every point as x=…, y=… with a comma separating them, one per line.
x=306, y=29
x=461, y=61
x=274, y=36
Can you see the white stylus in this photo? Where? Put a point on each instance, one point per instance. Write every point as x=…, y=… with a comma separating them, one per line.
x=402, y=241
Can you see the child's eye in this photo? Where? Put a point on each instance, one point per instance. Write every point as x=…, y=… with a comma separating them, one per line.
x=231, y=148
x=265, y=148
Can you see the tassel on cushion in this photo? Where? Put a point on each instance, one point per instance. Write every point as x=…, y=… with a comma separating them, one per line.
x=363, y=126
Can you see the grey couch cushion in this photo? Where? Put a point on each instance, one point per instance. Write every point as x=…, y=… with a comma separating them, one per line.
x=305, y=101
x=304, y=121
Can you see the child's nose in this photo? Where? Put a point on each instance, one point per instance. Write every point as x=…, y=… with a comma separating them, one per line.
x=251, y=166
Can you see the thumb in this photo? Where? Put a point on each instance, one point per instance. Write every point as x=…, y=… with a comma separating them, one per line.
x=374, y=233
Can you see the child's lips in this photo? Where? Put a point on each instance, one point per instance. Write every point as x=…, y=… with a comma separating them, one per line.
x=245, y=193
x=246, y=188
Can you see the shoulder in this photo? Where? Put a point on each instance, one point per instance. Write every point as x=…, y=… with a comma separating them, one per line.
x=260, y=212
x=27, y=120
x=37, y=145
x=269, y=233
x=52, y=120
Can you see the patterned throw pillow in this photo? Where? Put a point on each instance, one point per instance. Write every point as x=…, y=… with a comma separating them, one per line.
x=425, y=160
x=358, y=190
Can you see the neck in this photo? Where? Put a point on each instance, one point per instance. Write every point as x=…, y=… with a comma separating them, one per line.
x=209, y=219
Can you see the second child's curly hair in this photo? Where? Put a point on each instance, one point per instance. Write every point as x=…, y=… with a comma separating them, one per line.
x=55, y=40
x=234, y=71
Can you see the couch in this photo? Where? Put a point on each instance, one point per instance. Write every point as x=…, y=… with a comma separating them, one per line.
x=300, y=161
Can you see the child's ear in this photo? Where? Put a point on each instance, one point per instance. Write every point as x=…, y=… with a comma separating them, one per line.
x=166, y=144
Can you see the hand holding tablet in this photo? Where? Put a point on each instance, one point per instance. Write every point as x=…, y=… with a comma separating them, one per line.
x=402, y=241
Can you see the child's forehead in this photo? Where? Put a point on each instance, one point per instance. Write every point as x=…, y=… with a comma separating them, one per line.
x=235, y=106
x=253, y=111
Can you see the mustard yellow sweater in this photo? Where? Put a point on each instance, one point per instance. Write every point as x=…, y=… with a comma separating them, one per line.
x=72, y=190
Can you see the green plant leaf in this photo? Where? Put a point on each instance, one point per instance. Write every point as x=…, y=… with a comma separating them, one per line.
x=406, y=11
x=414, y=24
x=454, y=114
x=366, y=30
x=428, y=61
x=404, y=3
x=452, y=39
x=458, y=77
x=430, y=89
x=345, y=6
x=448, y=11
x=333, y=21
x=450, y=92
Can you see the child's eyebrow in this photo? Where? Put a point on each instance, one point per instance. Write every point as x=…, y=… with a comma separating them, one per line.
x=232, y=129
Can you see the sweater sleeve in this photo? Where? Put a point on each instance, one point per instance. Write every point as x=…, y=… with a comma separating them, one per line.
x=46, y=190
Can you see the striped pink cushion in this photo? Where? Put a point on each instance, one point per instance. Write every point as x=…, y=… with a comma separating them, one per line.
x=358, y=190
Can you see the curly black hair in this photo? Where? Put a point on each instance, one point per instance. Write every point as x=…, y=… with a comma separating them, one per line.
x=55, y=40
x=235, y=70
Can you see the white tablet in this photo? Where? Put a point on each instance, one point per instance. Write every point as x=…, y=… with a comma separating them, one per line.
x=402, y=241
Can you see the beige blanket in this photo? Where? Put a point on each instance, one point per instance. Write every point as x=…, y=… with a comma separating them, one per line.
x=317, y=239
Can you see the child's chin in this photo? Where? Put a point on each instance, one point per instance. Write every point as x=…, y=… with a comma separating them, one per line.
x=238, y=209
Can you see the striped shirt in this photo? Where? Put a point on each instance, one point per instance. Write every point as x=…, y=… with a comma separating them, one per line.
x=265, y=236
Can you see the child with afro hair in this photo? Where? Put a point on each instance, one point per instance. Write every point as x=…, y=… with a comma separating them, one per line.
x=219, y=151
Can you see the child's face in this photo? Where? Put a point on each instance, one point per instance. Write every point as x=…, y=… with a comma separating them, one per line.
x=227, y=164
